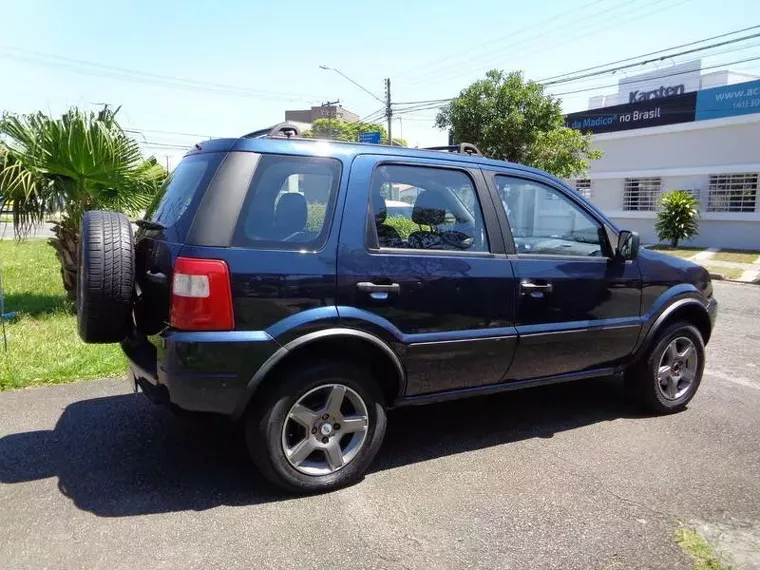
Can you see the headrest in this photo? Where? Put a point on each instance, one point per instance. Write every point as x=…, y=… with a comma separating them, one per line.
x=429, y=209
x=379, y=209
x=291, y=212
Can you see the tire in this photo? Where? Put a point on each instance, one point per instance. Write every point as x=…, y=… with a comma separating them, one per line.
x=269, y=428
x=105, y=277
x=658, y=390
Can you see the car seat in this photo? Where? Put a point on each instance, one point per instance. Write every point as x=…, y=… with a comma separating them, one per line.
x=430, y=210
x=387, y=236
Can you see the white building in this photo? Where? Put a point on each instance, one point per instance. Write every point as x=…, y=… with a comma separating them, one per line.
x=678, y=129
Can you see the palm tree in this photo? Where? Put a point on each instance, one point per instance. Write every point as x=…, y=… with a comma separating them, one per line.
x=82, y=161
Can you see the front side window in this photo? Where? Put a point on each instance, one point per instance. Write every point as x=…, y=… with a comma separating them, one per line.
x=544, y=221
x=423, y=208
x=289, y=203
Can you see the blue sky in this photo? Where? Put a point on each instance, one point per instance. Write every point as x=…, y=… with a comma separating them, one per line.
x=270, y=54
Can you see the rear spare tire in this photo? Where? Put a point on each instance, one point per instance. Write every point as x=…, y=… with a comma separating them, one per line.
x=105, y=277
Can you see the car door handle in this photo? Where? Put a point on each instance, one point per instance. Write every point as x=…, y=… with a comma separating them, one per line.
x=530, y=287
x=369, y=287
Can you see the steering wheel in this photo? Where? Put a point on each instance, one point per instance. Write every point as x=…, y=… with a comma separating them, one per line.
x=457, y=239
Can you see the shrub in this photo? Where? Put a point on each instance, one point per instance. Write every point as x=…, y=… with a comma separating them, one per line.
x=315, y=217
x=678, y=217
x=404, y=226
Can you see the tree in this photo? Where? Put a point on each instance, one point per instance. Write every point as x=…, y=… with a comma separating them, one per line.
x=82, y=161
x=511, y=119
x=678, y=217
x=339, y=130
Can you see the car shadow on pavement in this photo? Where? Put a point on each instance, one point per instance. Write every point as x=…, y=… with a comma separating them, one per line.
x=123, y=456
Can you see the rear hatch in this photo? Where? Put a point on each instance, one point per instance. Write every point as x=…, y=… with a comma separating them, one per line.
x=158, y=245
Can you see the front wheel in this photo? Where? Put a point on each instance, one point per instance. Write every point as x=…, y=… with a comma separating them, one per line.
x=318, y=428
x=668, y=378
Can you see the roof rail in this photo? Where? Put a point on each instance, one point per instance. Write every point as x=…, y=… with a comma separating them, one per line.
x=462, y=148
x=278, y=130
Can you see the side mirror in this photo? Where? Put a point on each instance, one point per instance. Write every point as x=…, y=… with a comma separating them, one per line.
x=628, y=245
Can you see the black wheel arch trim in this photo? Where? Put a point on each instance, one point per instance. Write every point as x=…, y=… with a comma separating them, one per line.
x=662, y=320
x=299, y=342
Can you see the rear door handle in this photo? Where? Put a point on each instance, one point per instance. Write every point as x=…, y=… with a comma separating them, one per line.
x=369, y=287
x=530, y=287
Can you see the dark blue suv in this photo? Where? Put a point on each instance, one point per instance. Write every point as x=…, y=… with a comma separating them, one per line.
x=269, y=283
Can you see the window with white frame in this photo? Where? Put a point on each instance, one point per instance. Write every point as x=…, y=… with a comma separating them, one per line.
x=641, y=194
x=583, y=187
x=732, y=193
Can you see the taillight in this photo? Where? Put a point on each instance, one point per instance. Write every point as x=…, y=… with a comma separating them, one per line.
x=201, y=295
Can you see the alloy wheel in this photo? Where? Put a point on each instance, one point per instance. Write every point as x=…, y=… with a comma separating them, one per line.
x=678, y=368
x=325, y=429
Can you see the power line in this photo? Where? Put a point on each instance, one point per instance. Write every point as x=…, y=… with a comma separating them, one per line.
x=730, y=50
x=124, y=74
x=587, y=23
x=688, y=44
x=460, y=55
x=648, y=61
x=587, y=76
x=380, y=111
x=195, y=135
x=587, y=31
x=659, y=77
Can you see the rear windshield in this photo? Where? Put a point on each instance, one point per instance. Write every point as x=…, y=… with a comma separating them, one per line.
x=180, y=194
x=289, y=203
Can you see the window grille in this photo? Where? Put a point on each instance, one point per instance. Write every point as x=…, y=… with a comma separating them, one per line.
x=641, y=194
x=583, y=187
x=732, y=193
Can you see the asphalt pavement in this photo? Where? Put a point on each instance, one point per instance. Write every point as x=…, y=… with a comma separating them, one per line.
x=563, y=477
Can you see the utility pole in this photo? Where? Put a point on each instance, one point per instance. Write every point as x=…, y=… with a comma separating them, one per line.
x=388, y=109
x=327, y=112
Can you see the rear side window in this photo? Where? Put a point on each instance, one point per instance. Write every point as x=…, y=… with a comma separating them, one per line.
x=289, y=203
x=177, y=200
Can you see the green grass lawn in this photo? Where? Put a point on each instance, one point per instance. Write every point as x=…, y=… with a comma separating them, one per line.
x=736, y=256
x=43, y=345
x=702, y=554
x=727, y=272
x=683, y=252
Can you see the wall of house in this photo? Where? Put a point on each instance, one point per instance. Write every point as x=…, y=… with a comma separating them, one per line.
x=683, y=156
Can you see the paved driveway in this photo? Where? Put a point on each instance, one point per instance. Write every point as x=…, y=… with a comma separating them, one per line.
x=567, y=477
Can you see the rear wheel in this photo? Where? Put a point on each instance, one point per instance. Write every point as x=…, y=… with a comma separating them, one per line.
x=105, y=277
x=318, y=429
x=668, y=378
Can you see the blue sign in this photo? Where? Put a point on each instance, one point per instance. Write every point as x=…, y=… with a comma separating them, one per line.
x=728, y=101
x=373, y=137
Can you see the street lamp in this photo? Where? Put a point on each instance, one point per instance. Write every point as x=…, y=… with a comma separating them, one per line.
x=339, y=72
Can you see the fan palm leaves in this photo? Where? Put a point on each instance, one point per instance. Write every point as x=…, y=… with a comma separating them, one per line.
x=81, y=161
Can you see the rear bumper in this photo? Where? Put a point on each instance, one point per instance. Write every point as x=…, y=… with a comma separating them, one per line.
x=198, y=371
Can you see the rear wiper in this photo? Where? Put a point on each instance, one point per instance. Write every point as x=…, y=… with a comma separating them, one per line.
x=149, y=225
